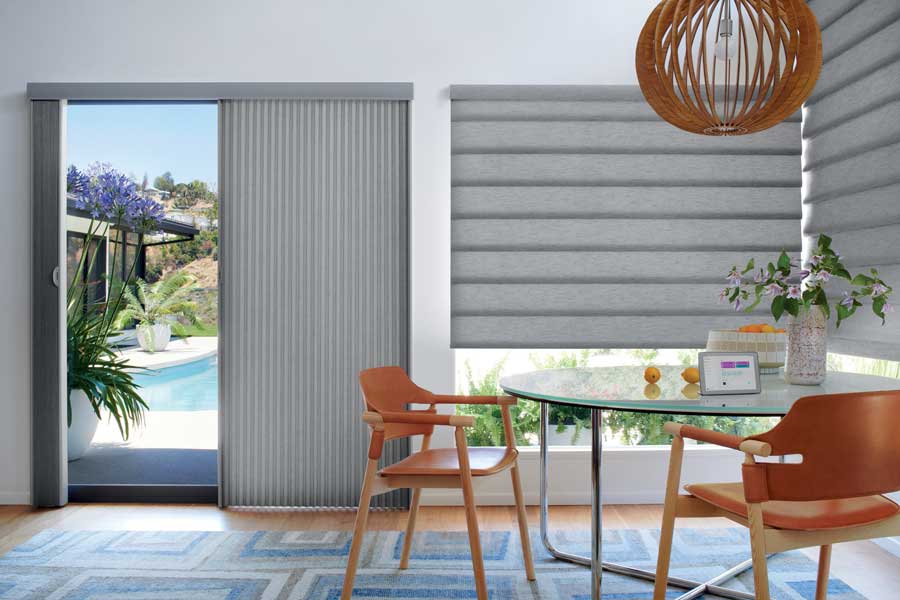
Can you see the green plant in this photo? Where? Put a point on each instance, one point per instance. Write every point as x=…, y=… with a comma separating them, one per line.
x=160, y=302
x=115, y=207
x=562, y=415
x=488, y=429
x=792, y=291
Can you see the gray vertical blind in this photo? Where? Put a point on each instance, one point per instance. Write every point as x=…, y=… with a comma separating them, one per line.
x=48, y=381
x=851, y=160
x=581, y=219
x=314, y=288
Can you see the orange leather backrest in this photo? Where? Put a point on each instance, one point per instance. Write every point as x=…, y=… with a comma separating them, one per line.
x=390, y=389
x=850, y=445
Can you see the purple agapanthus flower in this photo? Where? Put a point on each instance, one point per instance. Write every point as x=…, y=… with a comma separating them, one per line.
x=144, y=215
x=878, y=288
x=774, y=289
x=734, y=278
x=108, y=194
x=794, y=292
x=76, y=181
x=847, y=300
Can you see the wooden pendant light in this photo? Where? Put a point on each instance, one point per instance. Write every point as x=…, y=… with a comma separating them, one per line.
x=728, y=67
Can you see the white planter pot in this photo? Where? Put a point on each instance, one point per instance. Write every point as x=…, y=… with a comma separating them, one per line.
x=84, y=425
x=154, y=338
x=807, y=347
x=564, y=437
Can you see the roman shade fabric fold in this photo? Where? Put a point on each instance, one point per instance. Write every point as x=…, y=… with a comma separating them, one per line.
x=314, y=288
x=581, y=219
x=851, y=162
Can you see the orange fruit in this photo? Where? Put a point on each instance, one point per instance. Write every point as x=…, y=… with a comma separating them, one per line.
x=767, y=329
x=691, y=391
x=652, y=374
x=779, y=331
x=652, y=391
x=691, y=374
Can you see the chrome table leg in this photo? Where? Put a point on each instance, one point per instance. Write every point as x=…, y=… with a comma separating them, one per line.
x=695, y=588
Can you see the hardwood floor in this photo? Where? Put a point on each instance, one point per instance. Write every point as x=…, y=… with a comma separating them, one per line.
x=863, y=565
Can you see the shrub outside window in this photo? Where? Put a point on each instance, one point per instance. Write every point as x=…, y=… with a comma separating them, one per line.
x=478, y=372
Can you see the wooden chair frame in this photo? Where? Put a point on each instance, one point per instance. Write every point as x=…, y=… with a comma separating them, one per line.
x=763, y=539
x=375, y=483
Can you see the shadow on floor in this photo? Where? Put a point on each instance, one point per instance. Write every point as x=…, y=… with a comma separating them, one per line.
x=110, y=464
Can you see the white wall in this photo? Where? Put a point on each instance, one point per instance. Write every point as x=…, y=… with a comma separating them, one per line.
x=431, y=43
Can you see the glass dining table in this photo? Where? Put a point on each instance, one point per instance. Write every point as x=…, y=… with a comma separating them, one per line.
x=624, y=389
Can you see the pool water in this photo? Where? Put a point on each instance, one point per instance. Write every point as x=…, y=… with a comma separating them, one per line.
x=190, y=387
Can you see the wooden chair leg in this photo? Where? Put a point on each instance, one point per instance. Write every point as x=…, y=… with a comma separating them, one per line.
x=465, y=475
x=667, y=531
x=522, y=518
x=758, y=552
x=824, y=568
x=410, y=527
x=359, y=529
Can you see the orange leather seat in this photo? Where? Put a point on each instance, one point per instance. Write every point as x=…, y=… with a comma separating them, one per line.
x=804, y=516
x=445, y=461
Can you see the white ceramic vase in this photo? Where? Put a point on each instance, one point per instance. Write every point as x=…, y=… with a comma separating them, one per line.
x=84, y=425
x=807, y=347
x=154, y=338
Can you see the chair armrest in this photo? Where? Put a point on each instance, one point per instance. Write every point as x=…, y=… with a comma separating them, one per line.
x=704, y=435
x=498, y=400
x=413, y=417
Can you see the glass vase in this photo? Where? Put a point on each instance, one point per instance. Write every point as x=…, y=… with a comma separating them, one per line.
x=807, y=347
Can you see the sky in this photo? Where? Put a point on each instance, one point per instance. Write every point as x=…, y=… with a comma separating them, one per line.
x=146, y=138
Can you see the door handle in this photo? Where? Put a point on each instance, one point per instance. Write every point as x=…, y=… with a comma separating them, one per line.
x=54, y=277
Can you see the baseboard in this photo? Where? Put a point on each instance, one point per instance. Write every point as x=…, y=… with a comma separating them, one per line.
x=630, y=475
x=15, y=498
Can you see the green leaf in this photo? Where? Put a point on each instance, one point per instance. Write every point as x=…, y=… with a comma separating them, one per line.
x=784, y=261
x=878, y=307
x=824, y=241
x=843, y=273
x=792, y=306
x=778, y=307
x=748, y=268
x=861, y=279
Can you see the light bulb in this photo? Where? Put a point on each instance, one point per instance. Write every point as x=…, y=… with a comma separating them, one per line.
x=726, y=48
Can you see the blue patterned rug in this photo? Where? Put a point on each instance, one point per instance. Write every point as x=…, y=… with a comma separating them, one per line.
x=294, y=565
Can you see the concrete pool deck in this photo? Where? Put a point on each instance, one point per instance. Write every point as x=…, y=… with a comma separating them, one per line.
x=178, y=352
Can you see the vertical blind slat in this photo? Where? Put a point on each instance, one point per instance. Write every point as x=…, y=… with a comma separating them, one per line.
x=312, y=213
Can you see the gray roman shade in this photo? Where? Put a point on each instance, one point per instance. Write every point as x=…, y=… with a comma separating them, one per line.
x=314, y=288
x=851, y=161
x=581, y=219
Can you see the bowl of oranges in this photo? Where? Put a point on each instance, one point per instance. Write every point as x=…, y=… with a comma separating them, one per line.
x=762, y=338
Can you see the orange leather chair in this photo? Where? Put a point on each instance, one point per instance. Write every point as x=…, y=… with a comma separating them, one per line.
x=850, y=448
x=387, y=392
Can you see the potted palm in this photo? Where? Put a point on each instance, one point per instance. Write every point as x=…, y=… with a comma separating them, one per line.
x=157, y=307
x=98, y=379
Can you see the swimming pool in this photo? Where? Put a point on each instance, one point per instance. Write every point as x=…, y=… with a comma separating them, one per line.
x=190, y=387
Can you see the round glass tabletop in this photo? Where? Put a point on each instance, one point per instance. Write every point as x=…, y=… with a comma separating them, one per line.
x=624, y=388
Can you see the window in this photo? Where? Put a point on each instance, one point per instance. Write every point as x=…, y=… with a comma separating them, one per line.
x=479, y=372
